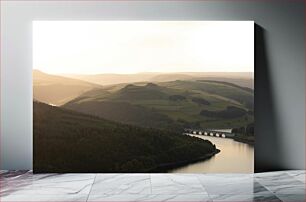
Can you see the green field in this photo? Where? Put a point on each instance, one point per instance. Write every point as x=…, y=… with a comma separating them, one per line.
x=172, y=105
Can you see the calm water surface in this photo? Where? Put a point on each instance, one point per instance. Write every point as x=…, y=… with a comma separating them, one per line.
x=235, y=157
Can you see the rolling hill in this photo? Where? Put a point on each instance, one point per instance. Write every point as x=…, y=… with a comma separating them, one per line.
x=175, y=104
x=68, y=141
x=244, y=79
x=57, y=90
x=111, y=79
x=236, y=94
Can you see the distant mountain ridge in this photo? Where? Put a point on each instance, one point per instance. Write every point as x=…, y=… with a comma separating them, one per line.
x=165, y=104
x=244, y=79
x=58, y=90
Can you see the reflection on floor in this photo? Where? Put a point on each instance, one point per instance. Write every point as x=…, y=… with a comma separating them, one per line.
x=272, y=186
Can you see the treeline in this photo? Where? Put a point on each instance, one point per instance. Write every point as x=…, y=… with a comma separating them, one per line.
x=246, y=130
x=177, y=98
x=127, y=113
x=68, y=141
x=228, y=113
x=200, y=101
x=197, y=100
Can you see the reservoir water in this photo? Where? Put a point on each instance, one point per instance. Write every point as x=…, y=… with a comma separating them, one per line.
x=235, y=157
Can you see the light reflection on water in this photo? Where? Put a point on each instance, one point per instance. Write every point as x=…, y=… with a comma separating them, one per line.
x=235, y=157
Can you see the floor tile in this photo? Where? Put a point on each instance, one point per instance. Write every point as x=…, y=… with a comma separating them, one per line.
x=3, y=171
x=259, y=189
x=298, y=175
x=282, y=184
x=291, y=197
x=115, y=198
x=235, y=184
x=277, y=175
x=47, y=184
x=179, y=198
x=286, y=186
x=176, y=184
x=245, y=198
x=43, y=198
x=266, y=198
x=121, y=184
x=15, y=175
x=150, y=198
x=15, y=180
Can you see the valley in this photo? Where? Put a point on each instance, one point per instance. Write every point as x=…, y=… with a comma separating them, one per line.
x=140, y=124
x=183, y=104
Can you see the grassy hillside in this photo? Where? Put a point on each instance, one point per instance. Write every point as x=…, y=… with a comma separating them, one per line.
x=234, y=93
x=174, y=104
x=244, y=79
x=66, y=141
x=125, y=112
x=57, y=90
x=111, y=79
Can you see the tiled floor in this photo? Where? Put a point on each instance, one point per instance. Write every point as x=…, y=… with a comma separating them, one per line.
x=273, y=186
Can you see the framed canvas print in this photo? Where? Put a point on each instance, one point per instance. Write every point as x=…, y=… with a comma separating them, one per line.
x=143, y=96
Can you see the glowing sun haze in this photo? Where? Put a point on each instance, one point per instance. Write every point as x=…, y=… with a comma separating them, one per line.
x=123, y=47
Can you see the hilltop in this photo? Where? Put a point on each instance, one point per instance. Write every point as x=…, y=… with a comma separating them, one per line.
x=57, y=90
x=175, y=104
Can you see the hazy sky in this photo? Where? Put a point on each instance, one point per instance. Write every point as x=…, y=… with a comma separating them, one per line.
x=92, y=47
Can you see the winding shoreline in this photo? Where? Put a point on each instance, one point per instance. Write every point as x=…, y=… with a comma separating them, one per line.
x=245, y=141
x=169, y=166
